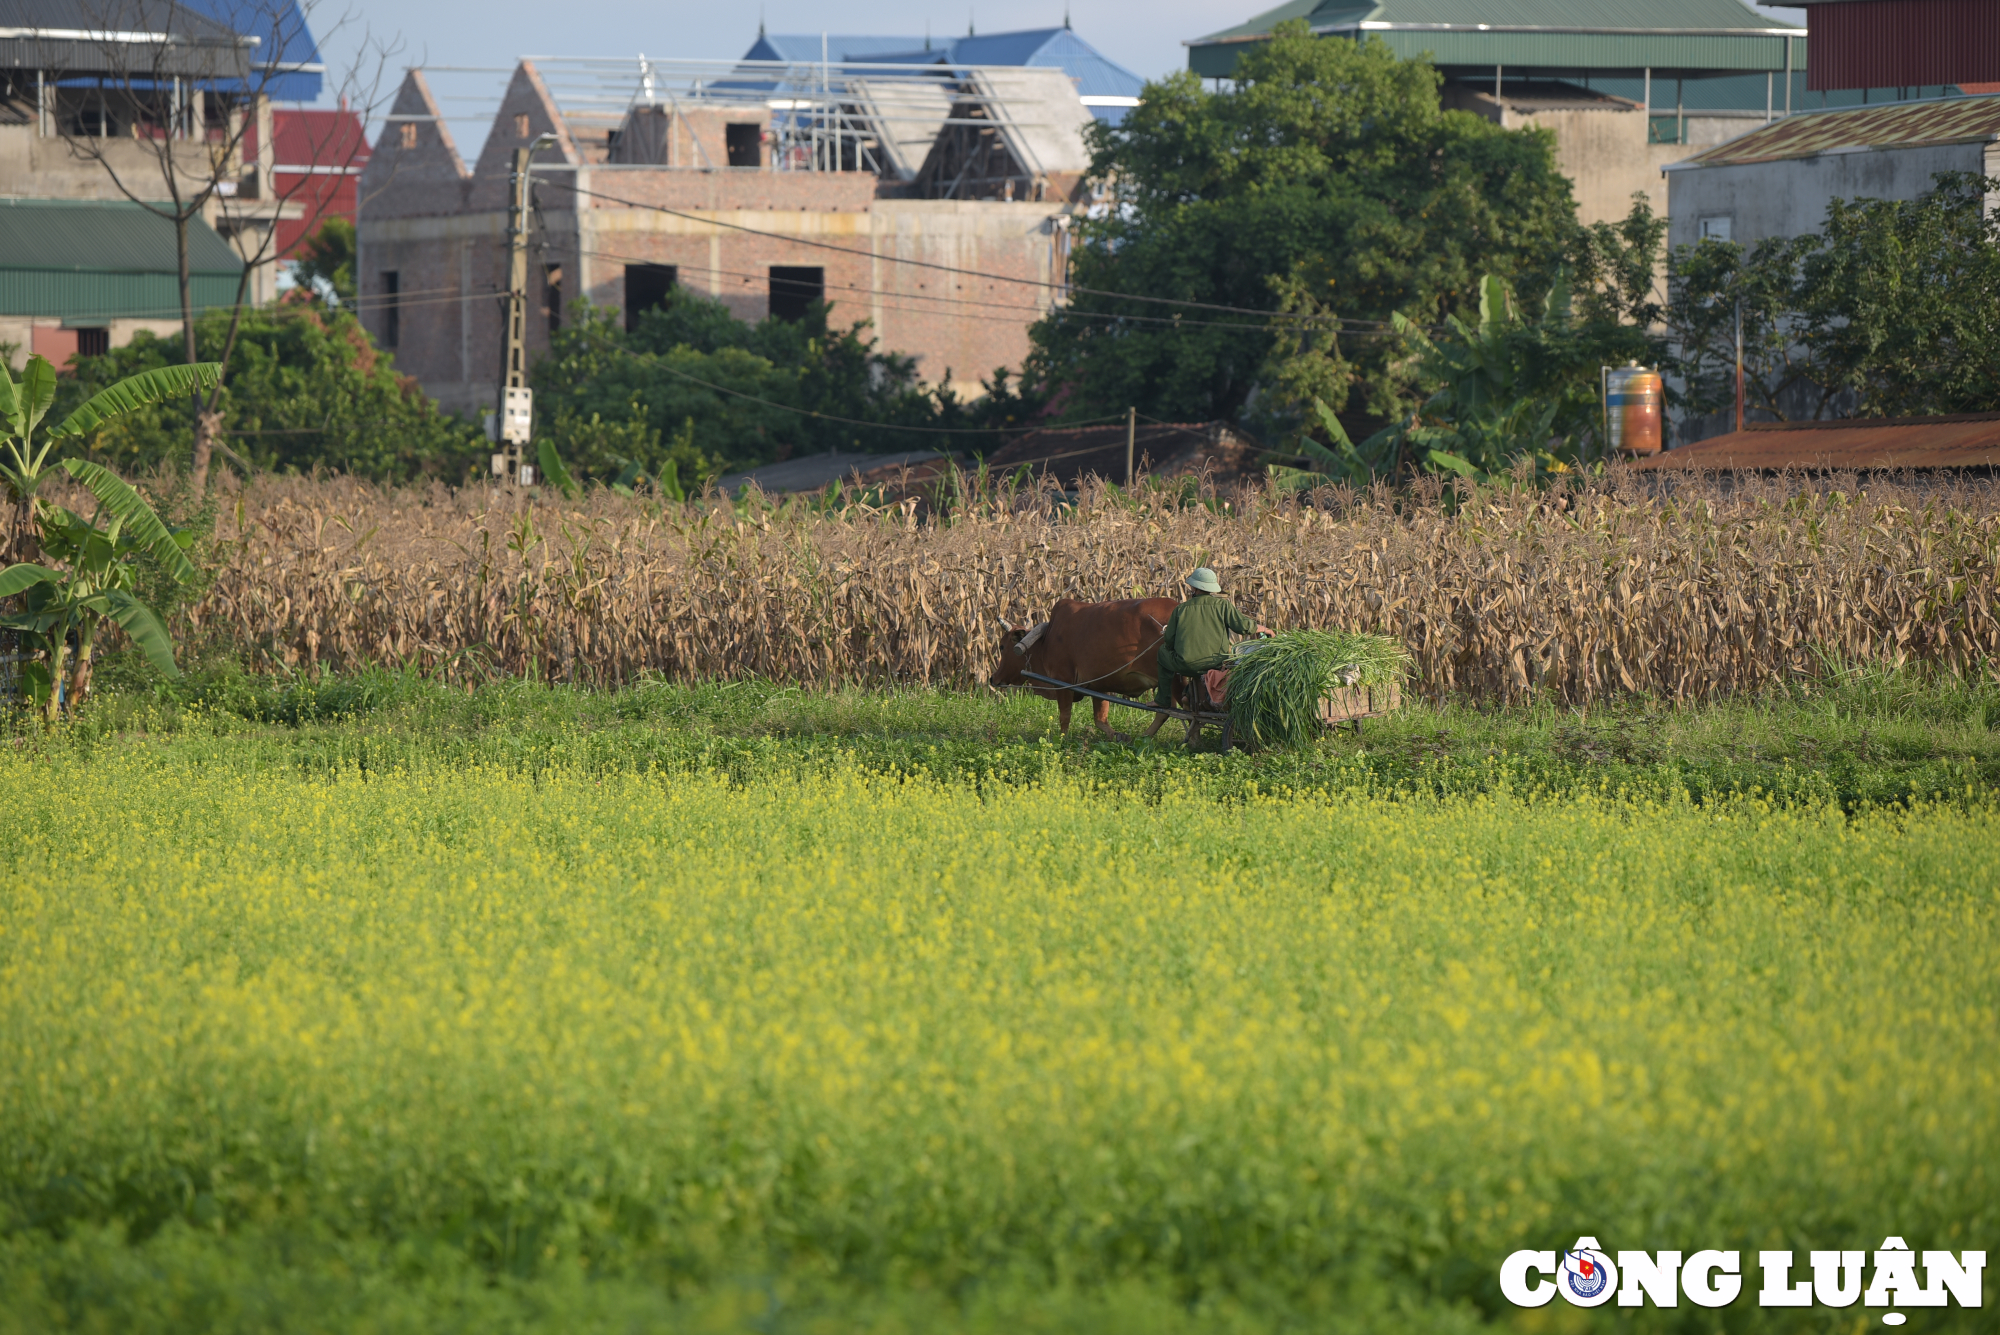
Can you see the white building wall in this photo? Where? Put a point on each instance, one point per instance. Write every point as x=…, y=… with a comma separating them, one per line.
x=1790, y=198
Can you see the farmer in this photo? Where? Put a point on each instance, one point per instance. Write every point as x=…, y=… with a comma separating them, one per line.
x=1197, y=636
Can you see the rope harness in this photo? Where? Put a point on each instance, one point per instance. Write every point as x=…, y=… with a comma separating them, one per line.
x=1027, y=641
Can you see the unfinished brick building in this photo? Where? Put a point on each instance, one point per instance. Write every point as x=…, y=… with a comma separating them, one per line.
x=930, y=201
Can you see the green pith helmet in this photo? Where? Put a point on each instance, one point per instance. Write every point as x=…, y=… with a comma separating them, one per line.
x=1205, y=580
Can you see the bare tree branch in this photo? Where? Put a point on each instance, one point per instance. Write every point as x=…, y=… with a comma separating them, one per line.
x=183, y=115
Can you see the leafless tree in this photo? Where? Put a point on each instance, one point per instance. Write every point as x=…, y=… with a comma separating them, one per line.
x=181, y=122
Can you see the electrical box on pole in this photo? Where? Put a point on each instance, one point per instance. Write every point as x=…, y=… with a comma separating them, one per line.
x=514, y=423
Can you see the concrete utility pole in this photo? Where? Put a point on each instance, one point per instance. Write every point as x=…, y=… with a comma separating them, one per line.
x=1131, y=436
x=1739, y=363
x=515, y=420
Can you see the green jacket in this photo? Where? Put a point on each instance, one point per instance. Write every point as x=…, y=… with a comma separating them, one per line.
x=1199, y=629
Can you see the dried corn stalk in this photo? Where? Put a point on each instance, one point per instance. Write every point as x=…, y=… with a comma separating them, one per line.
x=1573, y=597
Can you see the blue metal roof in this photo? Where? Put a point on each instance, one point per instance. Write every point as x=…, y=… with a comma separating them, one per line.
x=840, y=48
x=287, y=47
x=1048, y=48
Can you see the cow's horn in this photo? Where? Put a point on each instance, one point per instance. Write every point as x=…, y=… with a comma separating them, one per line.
x=1006, y=626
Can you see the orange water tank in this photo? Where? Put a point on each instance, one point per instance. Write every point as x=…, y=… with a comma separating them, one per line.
x=1633, y=396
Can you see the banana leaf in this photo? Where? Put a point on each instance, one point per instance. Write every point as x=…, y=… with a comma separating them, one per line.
x=32, y=397
x=136, y=391
x=141, y=623
x=25, y=576
x=552, y=468
x=117, y=496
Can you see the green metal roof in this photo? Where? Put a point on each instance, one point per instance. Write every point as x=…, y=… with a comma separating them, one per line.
x=105, y=259
x=1679, y=38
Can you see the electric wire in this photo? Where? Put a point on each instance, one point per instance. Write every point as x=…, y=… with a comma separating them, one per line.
x=928, y=264
x=1050, y=312
x=854, y=421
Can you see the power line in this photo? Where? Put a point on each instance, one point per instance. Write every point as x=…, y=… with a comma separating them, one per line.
x=946, y=268
x=852, y=421
x=1052, y=312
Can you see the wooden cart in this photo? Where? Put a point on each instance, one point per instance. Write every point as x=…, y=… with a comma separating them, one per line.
x=1345, y=704
x=1196, y=718
x=1351, y=704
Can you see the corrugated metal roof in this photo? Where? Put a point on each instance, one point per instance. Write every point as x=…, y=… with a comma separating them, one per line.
x=285, y=45
x=1957, y=120
x=1589, y=15
x=46, y=35
x=102, y=259
x=1637, y=16
x=1891, y=43
x=1058, y=48
x=104, y=236
x=1073, y=454
x=840, y=48
x=1668, y=55
x=91, y=298
x=1969, y=440
x=1051, y=48
x=1667, y=36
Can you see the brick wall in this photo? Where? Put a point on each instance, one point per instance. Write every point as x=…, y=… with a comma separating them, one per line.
x=441, y=229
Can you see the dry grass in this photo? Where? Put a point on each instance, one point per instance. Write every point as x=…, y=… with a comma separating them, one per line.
x=1572, y=595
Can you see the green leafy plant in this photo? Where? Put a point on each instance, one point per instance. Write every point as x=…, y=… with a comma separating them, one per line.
x=326, y=262
x=1340, y=462
x=306, y=389
x=93, y=568
x=1504, y=391
x=1487, y=412
x=1276, y=683
x=1892, y=309
x=553, y=471
x=1329, y=163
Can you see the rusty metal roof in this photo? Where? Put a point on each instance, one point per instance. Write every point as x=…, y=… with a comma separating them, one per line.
x=1966, y=440
x=1956, y=120
x=1162, y=448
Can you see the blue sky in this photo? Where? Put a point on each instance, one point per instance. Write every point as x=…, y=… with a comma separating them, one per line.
x=1143, y=35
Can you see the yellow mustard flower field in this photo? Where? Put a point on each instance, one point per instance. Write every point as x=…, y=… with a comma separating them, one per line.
x=461, y=1047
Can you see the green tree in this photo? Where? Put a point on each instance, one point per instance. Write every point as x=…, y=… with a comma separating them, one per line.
x=306, y=388
x=1327, y=185
x=326, y=262
x=1891, y=310
x=698, y=390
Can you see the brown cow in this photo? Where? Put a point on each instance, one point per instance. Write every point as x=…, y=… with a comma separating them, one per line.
x=1111, y=647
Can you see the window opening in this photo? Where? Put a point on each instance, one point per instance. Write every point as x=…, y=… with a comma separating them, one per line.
x=745, y=144
x=794, y=288
x=552, y=275
x=392, y=308
x=647, y=287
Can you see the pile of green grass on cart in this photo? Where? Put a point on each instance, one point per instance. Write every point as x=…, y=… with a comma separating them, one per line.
x=1276, y=684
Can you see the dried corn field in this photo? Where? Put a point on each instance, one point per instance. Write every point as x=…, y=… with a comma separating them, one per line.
x=1572, y=595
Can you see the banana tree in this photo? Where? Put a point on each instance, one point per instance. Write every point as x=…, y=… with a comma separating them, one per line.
x=1343, y=461
x=91, y=570
x=1505, y=387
